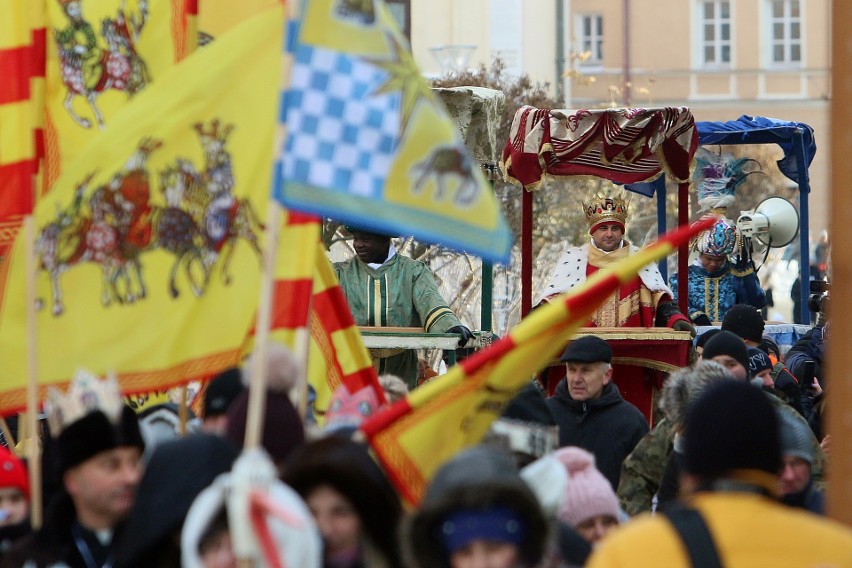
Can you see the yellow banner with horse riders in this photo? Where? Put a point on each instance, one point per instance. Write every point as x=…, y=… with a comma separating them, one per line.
x=101, y=54
x=149, y=243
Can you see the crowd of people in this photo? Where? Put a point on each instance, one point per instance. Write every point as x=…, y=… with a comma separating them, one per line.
x=556, y=482
x=732, y=473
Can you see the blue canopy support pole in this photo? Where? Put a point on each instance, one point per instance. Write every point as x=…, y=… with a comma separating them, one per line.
x=804, y=224
x=661, y=223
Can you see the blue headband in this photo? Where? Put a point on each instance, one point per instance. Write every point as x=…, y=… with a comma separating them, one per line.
x=498, y=524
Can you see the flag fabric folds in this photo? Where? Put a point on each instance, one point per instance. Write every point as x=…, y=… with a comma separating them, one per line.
x=149, y=243
x=100, y=55
x=368, y=143
x=215, y=17
x=415, y=436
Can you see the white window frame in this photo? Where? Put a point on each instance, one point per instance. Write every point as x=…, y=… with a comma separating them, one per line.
x=594, y=40
x=786, y=42
x=716, y=42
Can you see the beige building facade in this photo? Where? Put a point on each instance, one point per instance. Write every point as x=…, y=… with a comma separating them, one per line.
x=721, y=58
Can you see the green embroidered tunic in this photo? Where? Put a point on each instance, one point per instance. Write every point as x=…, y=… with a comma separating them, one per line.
x=401, y=292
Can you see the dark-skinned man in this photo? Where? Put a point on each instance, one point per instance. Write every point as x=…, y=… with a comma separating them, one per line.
x=384, y=288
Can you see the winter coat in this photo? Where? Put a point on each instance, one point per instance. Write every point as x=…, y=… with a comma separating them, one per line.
x=747, y=529
x=810, y=498
x=53, y=546
x=642, y=470
x=476, y=479
x=608, y=426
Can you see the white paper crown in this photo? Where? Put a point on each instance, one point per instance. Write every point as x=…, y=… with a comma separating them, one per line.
x=86, y=394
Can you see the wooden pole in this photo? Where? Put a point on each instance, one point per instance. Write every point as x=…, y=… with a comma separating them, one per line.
x=33, y=445
x=183, y=411
x=7, y=435
x=257, y=380
x=839, y=391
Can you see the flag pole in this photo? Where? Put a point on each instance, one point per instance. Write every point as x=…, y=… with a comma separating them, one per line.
x=257, y=380
x=33, y=442
x=183, y=411
x=7, y=435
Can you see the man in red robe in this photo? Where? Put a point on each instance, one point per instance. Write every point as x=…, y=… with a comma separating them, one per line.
x=643, y=302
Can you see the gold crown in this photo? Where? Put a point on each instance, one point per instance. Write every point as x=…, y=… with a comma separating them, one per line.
x=86, y=394
x=605, y=209
x=214, y=132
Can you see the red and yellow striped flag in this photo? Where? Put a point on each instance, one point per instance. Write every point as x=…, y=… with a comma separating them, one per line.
x=21, y=53
x=308, y=295
x=415, y=436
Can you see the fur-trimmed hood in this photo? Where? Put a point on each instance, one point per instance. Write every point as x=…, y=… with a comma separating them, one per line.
x=475, y=479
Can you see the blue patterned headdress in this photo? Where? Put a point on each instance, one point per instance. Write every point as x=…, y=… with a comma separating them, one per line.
x=719, y=240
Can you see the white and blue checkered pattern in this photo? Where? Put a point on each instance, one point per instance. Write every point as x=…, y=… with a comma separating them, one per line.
x=340, y=135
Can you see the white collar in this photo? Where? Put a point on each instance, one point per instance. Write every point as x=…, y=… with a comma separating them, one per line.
x=391, y=254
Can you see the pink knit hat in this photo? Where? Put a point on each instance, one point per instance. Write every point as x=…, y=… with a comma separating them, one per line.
x=589, y=494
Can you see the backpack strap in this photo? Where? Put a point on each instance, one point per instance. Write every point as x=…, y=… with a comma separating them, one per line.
x=693, y=531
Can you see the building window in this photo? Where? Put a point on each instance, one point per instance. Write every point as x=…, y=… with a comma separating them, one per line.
x=401, y=12
x=716, y=32
x=590, y=36
x=786, y=31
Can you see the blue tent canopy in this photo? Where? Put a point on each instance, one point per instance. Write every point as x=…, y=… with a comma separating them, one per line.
x=796, y=140
x=792, y=137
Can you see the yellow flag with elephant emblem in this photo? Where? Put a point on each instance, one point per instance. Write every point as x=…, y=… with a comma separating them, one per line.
x=369, y=143
x=149, y=243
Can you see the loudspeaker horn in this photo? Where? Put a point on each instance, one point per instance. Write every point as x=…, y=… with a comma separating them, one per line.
x=774, y=222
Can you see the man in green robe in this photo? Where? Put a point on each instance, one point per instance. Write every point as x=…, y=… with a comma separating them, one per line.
x=386, y=289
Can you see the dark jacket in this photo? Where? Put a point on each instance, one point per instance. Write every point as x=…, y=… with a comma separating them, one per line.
x=609, y=426
x=54, y=543
x=810, y=498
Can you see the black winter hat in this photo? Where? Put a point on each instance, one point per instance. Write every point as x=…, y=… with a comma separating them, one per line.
x=758, y=361
x=529, y=406
x=95, y=433
x=732, y=426
x=745, y=321
x=705, y=337
x=587, y=349
x=222, y=390
x=726, y=343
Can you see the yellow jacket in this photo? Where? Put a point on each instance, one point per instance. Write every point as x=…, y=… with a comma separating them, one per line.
x=749, y=531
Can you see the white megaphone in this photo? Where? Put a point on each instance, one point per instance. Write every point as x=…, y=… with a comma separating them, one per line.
x=773, y=223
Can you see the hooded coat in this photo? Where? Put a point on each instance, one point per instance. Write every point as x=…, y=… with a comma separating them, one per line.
x=476, y=479
x=608, y=426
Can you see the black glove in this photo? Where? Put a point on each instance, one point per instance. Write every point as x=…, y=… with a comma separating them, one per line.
x=466, y=334
x=744, y=262
x=683, y=325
